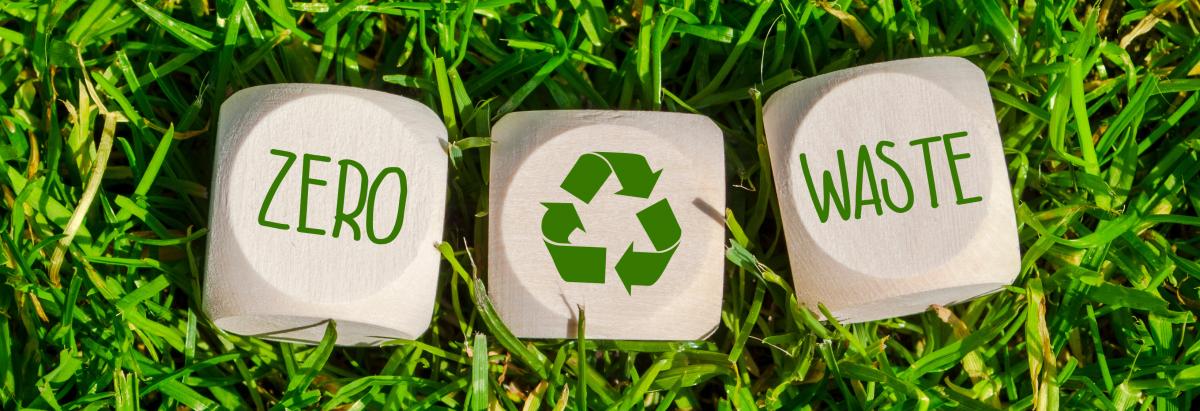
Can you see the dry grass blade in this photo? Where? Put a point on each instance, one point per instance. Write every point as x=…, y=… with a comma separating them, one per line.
x=95, y=176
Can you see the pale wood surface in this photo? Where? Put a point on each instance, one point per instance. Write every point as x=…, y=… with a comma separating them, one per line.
x=532, y=152
x=872, y=266
x=282, y=283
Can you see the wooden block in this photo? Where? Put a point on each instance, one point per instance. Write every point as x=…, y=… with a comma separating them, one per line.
x=892, y=187
x=328, y=202
x=614, y=212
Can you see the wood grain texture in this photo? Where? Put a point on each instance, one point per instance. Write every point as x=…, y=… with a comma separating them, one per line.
x=865, y=246
x=291, y=158
x=532, y=155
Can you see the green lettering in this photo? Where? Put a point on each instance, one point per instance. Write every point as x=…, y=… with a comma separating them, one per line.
x=865, y=169
x=951, y=157
x=305, y=181
x=924, y=143
x=887, y=197
x=266, y=203
x=348, y=217
x=841, y=203
x=399, y=208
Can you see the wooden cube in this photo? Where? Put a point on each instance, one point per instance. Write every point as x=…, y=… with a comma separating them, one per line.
x=615, y=212
x=893, y=188
x=328, y=203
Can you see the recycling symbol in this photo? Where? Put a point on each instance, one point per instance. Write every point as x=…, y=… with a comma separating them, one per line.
x=585, y=264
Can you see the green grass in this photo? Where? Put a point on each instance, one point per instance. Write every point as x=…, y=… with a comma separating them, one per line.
x=108, y=111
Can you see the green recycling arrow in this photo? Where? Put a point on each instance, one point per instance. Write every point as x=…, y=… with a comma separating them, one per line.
x=592, y=169
x=560, y=221
x=582, y=264
x=575, y=264
x=644, y=268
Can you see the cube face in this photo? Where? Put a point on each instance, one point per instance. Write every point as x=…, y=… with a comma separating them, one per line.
x=327, y=204
x=613, y=212
x=893, y=187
